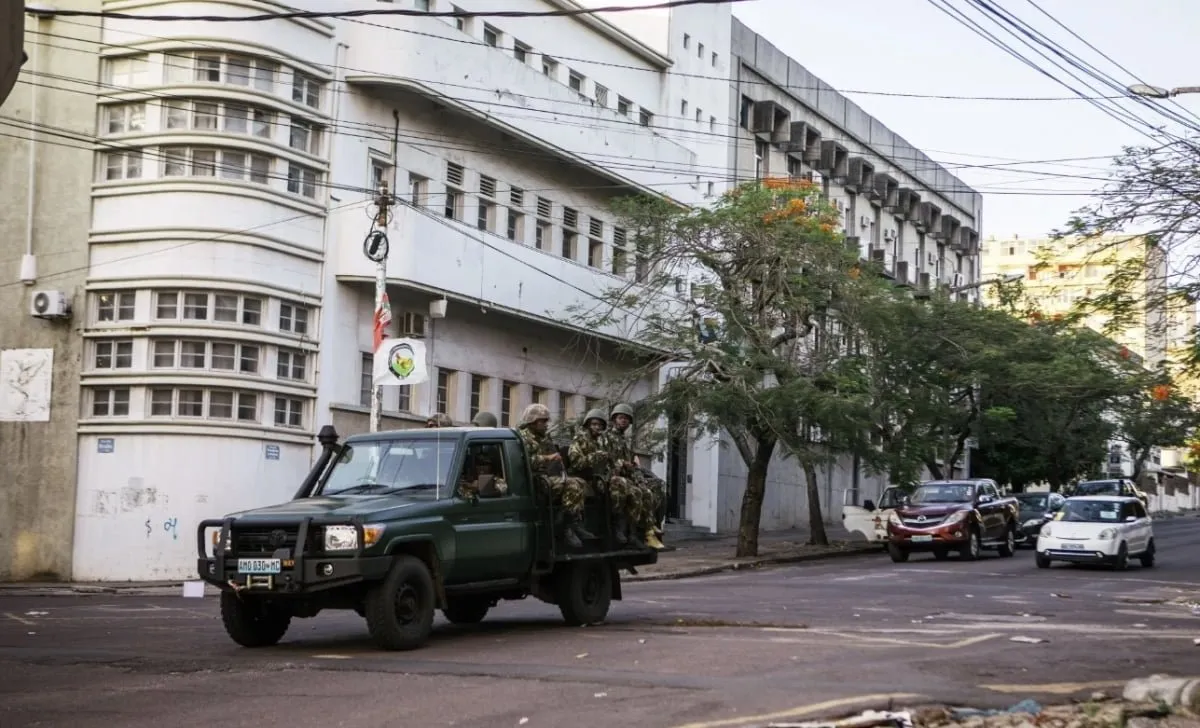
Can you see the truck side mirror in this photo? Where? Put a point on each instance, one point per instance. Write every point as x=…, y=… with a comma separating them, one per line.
x=985, y=499
x=869, y=505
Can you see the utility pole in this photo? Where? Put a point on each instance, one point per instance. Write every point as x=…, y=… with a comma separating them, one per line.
x=375, y=248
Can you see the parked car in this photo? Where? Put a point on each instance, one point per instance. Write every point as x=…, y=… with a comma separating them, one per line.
x=1122, y=487
x=1101, y=529
x=870, y=519
x=954, y=515
x=1035, y=510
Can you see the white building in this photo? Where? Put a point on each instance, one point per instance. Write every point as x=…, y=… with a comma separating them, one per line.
x=221, y=302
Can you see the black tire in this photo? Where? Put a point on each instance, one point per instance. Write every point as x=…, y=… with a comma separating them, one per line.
x=899, y=555
x=1009, y=547
x=1042, y=561
x=1122, y=561
x=1147, y=556
x=970, y=551
x=941, y=554
x=584, y=592
x=400, y=608
x=252, y=621
x=466, y=610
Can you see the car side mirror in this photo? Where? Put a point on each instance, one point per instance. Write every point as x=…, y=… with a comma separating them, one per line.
x=985, y=499
x=869, y=505
x=1130, y=519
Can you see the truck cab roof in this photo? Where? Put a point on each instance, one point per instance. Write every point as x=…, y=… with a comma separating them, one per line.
x=436, y=433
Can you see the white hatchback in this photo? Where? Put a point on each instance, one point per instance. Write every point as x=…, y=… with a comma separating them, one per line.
x=1098, y=529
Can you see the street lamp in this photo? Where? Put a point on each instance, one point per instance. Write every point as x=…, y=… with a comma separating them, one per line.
x=1157, y=92
x=1010, y=278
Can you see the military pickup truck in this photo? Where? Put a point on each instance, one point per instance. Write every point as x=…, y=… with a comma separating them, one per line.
x=395, y=525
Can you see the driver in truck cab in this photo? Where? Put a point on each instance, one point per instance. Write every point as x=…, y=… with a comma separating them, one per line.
x=480, y=479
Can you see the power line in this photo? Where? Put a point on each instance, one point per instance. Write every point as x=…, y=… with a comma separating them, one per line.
x=315, y=14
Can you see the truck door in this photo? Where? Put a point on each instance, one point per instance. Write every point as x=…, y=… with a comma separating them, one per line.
x=493, y=533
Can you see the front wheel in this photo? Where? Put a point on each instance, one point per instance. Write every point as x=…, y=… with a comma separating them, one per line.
x=1121, y=562
x=1147, y=556
x=1042, y=561
x=400, y=608
x=584, y=592
x=253, y=621
x=1009, y=547
x=970, y=550
x=899, y=555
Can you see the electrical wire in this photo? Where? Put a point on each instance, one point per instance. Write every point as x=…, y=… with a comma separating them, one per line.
x=330, y=14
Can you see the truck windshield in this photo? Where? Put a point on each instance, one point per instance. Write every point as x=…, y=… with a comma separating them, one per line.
x=943, y=493
x=419, y=467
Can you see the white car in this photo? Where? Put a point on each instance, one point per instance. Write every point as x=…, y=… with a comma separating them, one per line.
x=1098, y=529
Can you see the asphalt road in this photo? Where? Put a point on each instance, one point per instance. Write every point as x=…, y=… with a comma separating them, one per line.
x=739, y=649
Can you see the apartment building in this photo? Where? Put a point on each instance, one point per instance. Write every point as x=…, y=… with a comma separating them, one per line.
x=185, y=300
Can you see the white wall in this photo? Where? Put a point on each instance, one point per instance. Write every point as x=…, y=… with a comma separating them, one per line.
x=139, y=505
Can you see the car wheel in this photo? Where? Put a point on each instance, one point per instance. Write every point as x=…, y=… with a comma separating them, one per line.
x=253, y=621
x=1147, y=557
x=400, y=608
x=1009, y=547
x=1122, y=561
x=898, y=554
x=941, y=554
x=970, y=551
x=466, y=610
x=1042, y=561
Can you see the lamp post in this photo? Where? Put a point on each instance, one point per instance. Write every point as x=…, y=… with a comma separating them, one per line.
x=1010, y=278
x=1158, y=92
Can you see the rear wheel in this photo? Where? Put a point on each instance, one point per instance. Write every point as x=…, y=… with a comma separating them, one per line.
x=466, y=610
x=1147, y=557
x=584, y=590
x=1009, y=547
x=898, y=554
x=400, y=608
x=253, y=621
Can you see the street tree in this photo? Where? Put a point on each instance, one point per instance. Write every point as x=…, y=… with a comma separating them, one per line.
x=753, y=297
x=1154, y=415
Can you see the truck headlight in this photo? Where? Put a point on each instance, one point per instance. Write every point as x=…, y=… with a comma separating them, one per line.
x=345, y=538
x=955, y=517
x=1032, y=522
x=894, y=519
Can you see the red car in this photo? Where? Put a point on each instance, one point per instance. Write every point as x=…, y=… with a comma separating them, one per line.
x=966, y=516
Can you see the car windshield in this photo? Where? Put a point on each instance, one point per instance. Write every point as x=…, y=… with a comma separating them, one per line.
x=1091, y=511
x=943, y=493
x=1032, y=501
x=1098, y=487
x=417, y=467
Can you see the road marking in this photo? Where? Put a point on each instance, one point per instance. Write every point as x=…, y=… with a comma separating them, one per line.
x=332, y=657
x=1055, y=688
x=22, y=620
x=967, y=642
x=804, y=710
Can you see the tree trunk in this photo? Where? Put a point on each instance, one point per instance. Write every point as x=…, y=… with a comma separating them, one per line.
x=935, y=470
x=752, y=498
x=816, y=524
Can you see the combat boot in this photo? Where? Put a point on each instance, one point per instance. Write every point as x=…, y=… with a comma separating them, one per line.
x=575, y=528
x=653, y=541
x=562, y=524
x=620, y=529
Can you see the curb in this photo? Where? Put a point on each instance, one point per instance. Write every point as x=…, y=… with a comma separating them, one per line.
x=1180, y=692
x=753, y=564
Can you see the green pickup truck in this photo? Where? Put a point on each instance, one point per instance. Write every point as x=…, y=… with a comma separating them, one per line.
x=396, y=525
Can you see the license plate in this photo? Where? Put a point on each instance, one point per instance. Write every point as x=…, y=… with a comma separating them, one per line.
x=922, y=539
x=258, y=566
x=1073, y=546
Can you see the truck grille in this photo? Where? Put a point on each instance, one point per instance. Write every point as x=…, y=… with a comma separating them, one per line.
x=926, y=522
x=264, y=540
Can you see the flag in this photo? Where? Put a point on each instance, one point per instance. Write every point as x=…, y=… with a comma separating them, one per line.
x=383, y=319
x=399, y=362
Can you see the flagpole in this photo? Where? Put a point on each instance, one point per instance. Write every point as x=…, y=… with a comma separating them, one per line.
x=377, y=252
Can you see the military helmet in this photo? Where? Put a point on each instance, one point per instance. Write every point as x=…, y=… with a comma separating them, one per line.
x=622, y=409
x=595, y=414
x=485, y=419
x=439, y=420
x=535, y=412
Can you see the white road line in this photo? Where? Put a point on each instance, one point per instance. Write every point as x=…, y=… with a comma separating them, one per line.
x=22, y=620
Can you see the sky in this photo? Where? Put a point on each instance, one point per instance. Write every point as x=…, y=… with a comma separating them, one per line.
x=910, y=46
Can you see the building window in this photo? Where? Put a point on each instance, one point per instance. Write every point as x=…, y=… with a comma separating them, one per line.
x=575, y=82
x=123, y=118
x=422, y=5
x=645, y=118
x=539, y=395
x=200, y=403
x=623, y=106
x=291, y=364
x=210, y=116
x=515, y=230
x=366, y=380
x=231, y=164
x=445, y=388
x=289, y=412
x=304, y=136
x=620, y=255
x=549, y=66
x=478, y=393
x=381, y=173
x=454, y=196
x=601, y=95
x=418, y=189
x=699, y=115
x=760, y=158
x=459, y=21
x=113, y=355
x=228, y=405
x=712, y=123
x=521, y=51
x=570, y=236
x=115, y=305
x=123, y=165
x=218, y=68
x=491, y=36
x=596, y=253
x=699, y=50
x=306, y=90
x=127, y=71
x=687, y=40
x=302, y=180
x=110, y=402
x=745, y=111
x=293, y=318
x=195, y=306
x=486, y=218
x=508, y=400
x=683, y=107
x=221, y=356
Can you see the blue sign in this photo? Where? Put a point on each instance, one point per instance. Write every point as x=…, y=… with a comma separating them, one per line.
x=105, y=445
x=272, y=452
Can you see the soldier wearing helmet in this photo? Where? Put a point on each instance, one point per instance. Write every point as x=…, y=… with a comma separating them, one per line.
x=543, y=458
x=591, y=463
x=643, y=495
x=439, y=420
x=485, y=419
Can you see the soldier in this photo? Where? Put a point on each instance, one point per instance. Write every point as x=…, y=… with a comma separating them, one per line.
x=544, y=457
x=480, y=479
x=485, y=419
x=591, y=462
x=439, y=420
x=643, y=490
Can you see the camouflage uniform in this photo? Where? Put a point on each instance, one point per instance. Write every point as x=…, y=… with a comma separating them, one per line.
x=540, y=451
x=646, y=498
x=591, y=462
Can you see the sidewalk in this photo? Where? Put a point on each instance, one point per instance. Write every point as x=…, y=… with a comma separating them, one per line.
x=690, y=557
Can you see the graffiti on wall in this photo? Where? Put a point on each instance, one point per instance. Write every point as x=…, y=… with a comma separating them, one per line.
x=25, y=379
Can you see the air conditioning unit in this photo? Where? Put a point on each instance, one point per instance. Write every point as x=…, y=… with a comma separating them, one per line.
x=960, y=280
x=49, y=305
x=889, y=234
x=838, y=204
